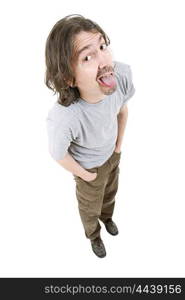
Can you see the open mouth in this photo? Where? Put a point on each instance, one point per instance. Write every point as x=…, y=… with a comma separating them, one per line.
x=107, y=80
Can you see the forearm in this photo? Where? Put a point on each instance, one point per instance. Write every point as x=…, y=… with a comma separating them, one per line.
x=122, y=121
x=72, y=166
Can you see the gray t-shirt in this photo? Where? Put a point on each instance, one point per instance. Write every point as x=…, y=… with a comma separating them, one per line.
x=89, y=131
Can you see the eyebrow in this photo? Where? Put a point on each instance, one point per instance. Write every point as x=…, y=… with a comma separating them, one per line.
x=88, y=46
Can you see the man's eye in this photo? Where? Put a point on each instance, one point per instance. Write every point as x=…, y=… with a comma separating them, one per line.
x=87, y=58
x=103, y=46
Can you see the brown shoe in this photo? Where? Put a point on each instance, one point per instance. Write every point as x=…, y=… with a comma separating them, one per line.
x=98, y=247
x=111, y=227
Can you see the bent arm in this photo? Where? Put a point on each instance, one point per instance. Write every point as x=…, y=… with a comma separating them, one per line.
x=72, y=166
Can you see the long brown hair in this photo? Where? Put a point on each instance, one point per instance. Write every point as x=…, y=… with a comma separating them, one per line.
x=59, y=55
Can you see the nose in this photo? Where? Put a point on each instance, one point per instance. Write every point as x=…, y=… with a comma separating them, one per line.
x=101, y=66
x=102, y=60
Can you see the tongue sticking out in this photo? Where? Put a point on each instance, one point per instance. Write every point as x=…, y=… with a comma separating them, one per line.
x=108, y=81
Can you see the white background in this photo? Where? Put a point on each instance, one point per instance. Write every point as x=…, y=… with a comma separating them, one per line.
x=41, y=232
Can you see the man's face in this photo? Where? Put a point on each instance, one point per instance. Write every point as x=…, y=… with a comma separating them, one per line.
x=93, y=67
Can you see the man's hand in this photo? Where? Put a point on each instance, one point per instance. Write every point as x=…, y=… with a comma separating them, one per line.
x=89, y=176
x=117, y=149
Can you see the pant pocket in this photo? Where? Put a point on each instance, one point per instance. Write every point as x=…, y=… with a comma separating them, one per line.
x=92, y=170
x=118, y=154
x=115, y=161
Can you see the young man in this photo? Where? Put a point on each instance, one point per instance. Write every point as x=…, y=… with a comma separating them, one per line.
x=86, y=125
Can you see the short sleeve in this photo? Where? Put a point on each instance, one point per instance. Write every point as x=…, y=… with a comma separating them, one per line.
x=125, y=82
x=129, y=86
x=59, y=138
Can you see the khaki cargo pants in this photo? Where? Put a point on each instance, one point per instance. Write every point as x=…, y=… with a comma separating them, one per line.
x=96, y=199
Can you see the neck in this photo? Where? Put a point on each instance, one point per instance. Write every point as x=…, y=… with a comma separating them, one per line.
x=92, y=98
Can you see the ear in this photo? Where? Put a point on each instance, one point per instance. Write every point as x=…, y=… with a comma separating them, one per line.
x=70, y=83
